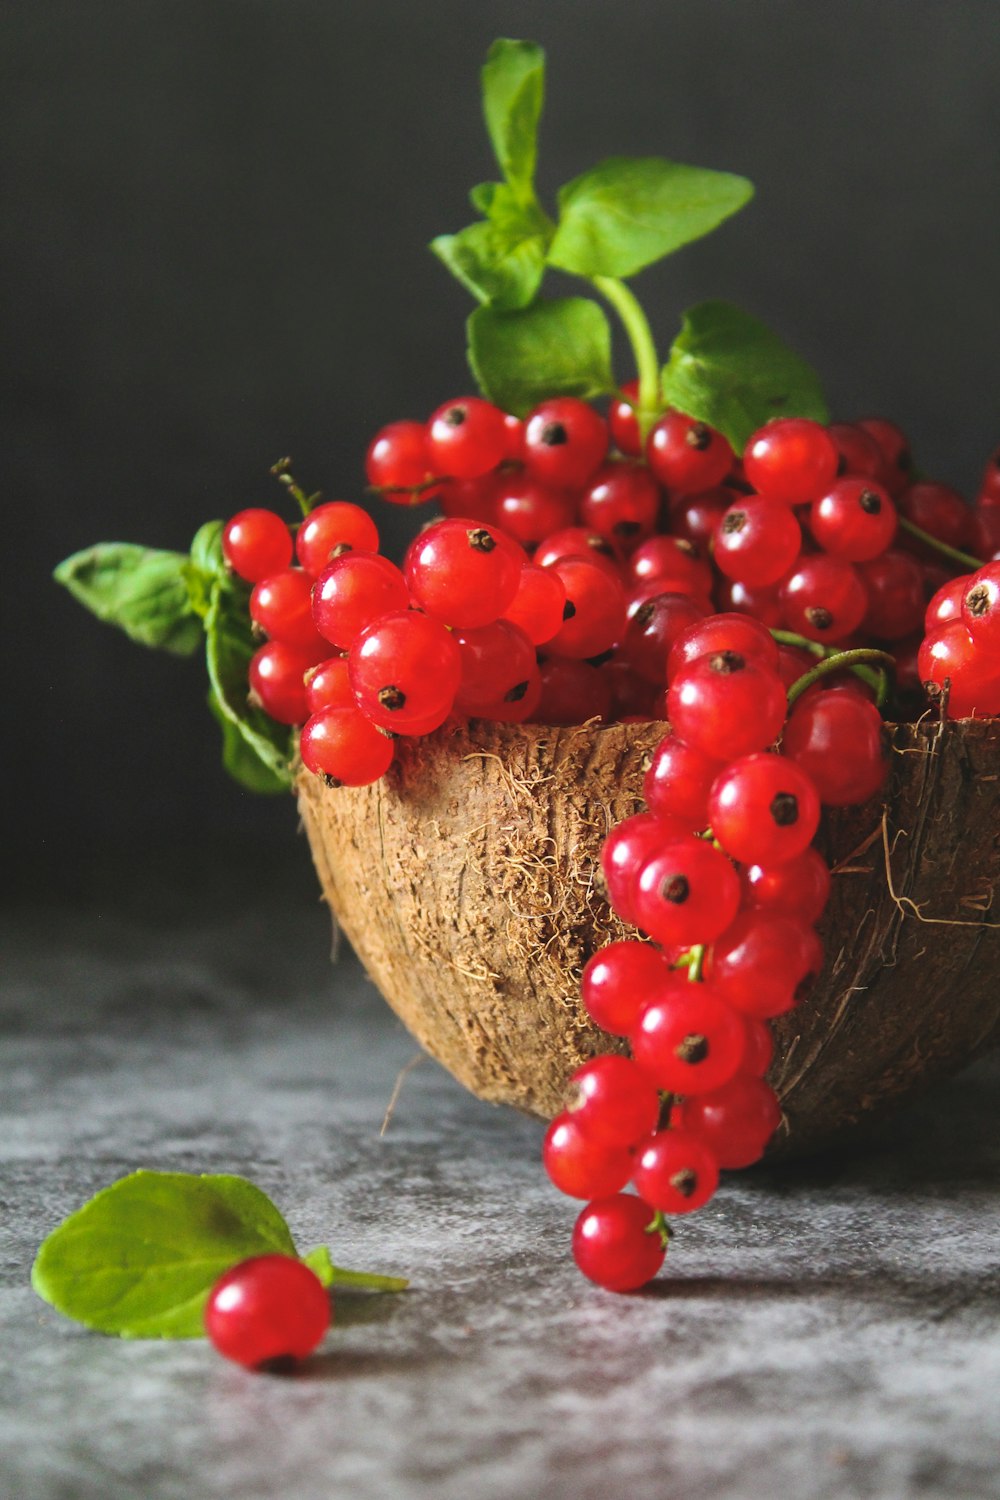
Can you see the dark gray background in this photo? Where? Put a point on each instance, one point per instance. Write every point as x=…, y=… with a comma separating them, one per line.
x=212, y=240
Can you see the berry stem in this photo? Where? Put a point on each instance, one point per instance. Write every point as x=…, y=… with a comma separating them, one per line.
x=876, y=680
x=834, y=663
x=964, y=559
x=282, y=473
x=696, y=964
x=640, y=336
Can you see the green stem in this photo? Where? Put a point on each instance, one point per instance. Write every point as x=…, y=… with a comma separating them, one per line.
x=965, y=559
x=640, y=336
x=280, y=470
x=697, y=963
x=875, y=680
x=369, y=1280
x=834, y=663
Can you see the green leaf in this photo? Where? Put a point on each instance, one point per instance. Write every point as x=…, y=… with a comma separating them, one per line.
x=206, y=548
x=241, y=760
x=729, y=370
x=141, y=1257
x=502, y=261
x=557, y=348
x=632, y=210
x=140, y=589
x=318, y=1260
x=229, y=647
x=513, y=81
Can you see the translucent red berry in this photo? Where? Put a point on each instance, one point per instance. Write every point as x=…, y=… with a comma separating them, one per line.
x=573, y=692
x=791, y=460
x=397, y=463
x=405, y=671
x=344, y=747
x=612, y=1101
x=619, y=980
x=582, y=1167
x=462, y=573
x=765, y=962
x=622, y=503
x=679, y=780
x=328, y=685
x=688, y=1039
x=277, y=678
x=528, y=510
x=838, y=739
x=855, y=519
x=623, y=422
x=736, y=1122
x=594, y=612
x=538, y=605
x=617, y=1244
x=726, y=705
x=724, y=632
x=675, y=1172
x=270, y=1310
x=352, y=592
x=798, y=887
x=686, y=455
x=626, y=849
x=256, y=543
x=756, y=541
x=687, y=892
x=281, y=605
x=331, y=529
x=466, y=438
x=823, y=598
x=564, y=442
x=763, y=809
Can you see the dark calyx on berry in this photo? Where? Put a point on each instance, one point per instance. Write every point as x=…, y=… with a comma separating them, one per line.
x=977, y=600
x=693, y=1049
x=675, y=888
x=569, y=610
x=480, y=540
x=684, y=1182
x=727, y=662
x=698, y=436
x=516, y=693
x=870, y=503
x=553, y=435
x=734, y=522
x=392, y=697
x=330, y=781
x=455, y=416
x=785, y=809
x=818, y=617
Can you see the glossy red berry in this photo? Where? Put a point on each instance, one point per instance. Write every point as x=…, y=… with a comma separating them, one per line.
x=897, y=460
x=282, y=606
x=573, y=692
x=565, y=441
x=756, y=541
x=838, y=739
x=463, y=574
x=688, y=1040
x=762, y=603
x=671, y=557
x=623, y=421
x=405, y=670
x=949, y=657
x=626, y=849
x=582, y=1167
x=594, y=612
x=855, y=519
x=686, y=892
x=256, y=543
x=612, y=1101
x=498, y=668
x=763, y=809
x=894, y=584
x=938, y=510
x=529, y=511
x=799, y=887
x=538, y=605
x=675, y=1172
x=726, y=705
x=352, y=592
x=981, y=610
x=791, y=460
x=619, y=980
x=270, y=1310
x=759, y=1053
x=577, y=541
x=686, y=455
x=652, y=630
x=695, y=517
x=857, y=451
x=328, y=685
x=466, y=438
x=397, y=463
x=736, y=1122
x=724, y=632
x=277, y=679
x=823, y=599
x=344, y=747
x=622, y=503
x=946, y=603
x=617, y=1244
x=333, y=528
x=679, y=780
x=765, y=962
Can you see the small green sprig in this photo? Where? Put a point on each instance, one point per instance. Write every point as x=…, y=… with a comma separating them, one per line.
x=724, y=368
x=140, y=1258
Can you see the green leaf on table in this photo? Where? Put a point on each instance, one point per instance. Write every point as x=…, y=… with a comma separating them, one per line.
x=630, y=211
x=502, y=260
x=229, y=647
x=556, y=348
x=319, y=1261
x=728, y=369
x=141, y=1257
x=513, y=83
x=142, y=590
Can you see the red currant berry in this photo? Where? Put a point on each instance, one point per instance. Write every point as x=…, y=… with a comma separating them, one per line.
x=537, y=607
x=282, y=606
x=763, y=604
x=791, y=460
x=950, y=656
x=619, y=980
x=799, y=887
x=632, y=697
x=726, y=632
x=736, y=1122
x=466, y=438
x=685, y=892
x=622, y=503
x=344, y=747
x=756, y=542
x=695, y=517
x=897, y=460
x=328, y=685
x=623, y=422
x=579, y=1166
x=837, y=738
x=529, y=511
x=726, y=705
x=498, y=666
x=465, y=575
x=946, y=603
x=686, y=455
x=675, y=1172
x=594, y=612
x=577, y=541
x=981, y=610
x=679, y=780
x=670, y=557
x=471, y=499
x=573, y=692
x=330, y=529
x=256, y=543
x=612, y=1101
x=564, y=443
x=855, y=519
x=938, y=510
x=763, y=808
x=405, y=671
x=857, y=451
x=277, y=674
x=765, y=963
x=688, y=1040
x=823, y=599
x=355, y=590
x=759, y=1054
x=896, y=603
x=626, y=849
x=652, y=630
x=397, y=464
x=617, y=1244
x=267, y=1312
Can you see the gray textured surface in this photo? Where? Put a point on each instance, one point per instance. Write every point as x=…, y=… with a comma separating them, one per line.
x=823, y=1331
